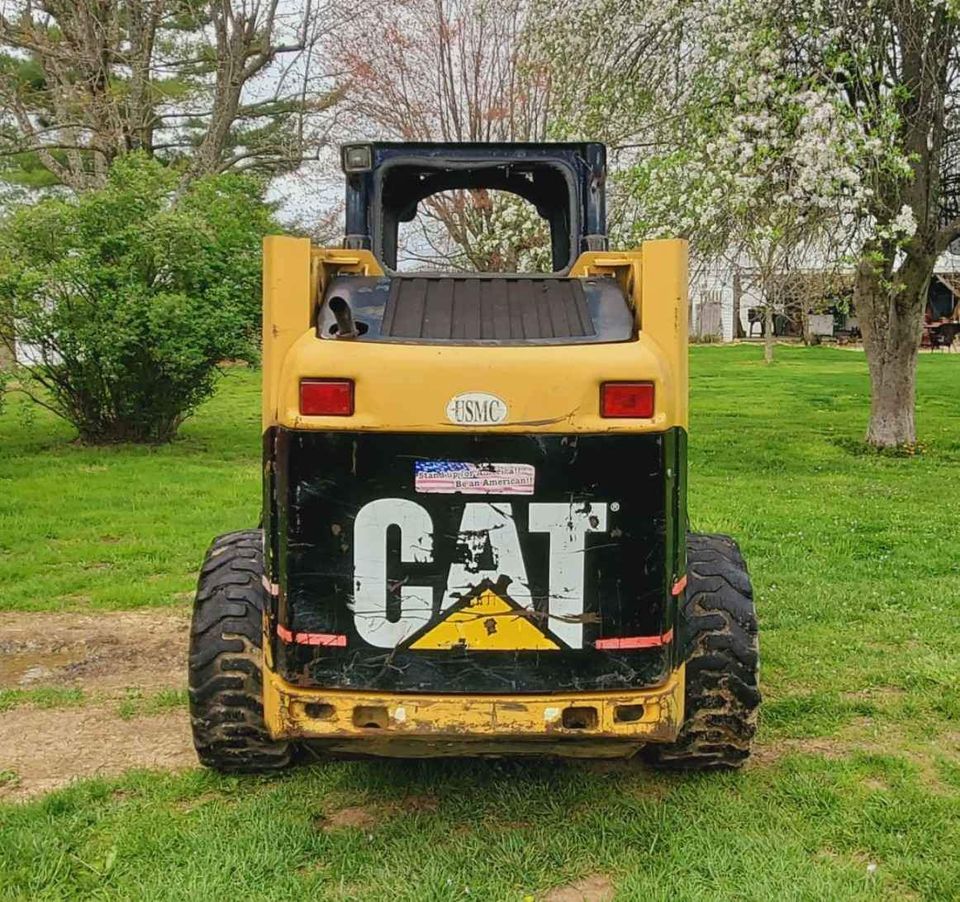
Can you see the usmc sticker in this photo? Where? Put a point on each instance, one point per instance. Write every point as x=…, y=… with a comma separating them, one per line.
x=476, y=408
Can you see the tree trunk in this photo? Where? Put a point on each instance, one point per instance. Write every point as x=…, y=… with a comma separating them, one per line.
x=768, y=333
x=738, y=331
x=891, y=320
x=806, y=328
x=8, y=343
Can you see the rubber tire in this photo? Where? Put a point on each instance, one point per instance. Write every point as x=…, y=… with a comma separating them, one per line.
x=718, y=636
x=226, y=657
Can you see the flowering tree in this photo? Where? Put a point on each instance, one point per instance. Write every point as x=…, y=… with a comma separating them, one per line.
x=478, y=231
x=896, y=65
x=758, y=167
x=809, y=128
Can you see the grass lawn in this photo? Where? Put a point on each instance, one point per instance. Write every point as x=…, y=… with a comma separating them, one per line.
x=855, y=790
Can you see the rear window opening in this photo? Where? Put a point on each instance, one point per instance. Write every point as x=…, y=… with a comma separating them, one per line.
x=516, y=217
x=478, y=230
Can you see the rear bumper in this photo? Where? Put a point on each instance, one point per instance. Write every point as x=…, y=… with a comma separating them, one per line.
x=586, y=724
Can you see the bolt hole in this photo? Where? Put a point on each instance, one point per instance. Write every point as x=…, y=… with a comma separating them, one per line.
x=368, y=717
x=580, y=718
x=628, y=713
x=319, y=710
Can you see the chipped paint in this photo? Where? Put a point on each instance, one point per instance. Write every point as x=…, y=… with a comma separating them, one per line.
x=497, y=720
x=485, y=620
x=366, y=556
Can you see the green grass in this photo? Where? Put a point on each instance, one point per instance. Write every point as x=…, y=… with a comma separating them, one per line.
x=138, y=704
x=41, y=697
x=135, y=702
x=9, y=778
x=856, y=790
x=122, y=527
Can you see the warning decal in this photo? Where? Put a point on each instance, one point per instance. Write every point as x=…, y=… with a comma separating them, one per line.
x=449, y=477
x=486, y=620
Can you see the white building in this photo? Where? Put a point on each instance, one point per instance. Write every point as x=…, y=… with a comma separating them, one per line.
x=721, y=294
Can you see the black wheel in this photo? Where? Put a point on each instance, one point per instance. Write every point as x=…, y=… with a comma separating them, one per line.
x=226, y=685
x=718, y=636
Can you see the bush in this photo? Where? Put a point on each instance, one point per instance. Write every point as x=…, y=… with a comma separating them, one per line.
x=127, y=298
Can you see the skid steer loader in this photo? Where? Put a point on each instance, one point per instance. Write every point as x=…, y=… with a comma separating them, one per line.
x=474, y=536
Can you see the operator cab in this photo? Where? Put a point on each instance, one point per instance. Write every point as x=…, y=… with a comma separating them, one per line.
x=387, y=183
x=565, y=183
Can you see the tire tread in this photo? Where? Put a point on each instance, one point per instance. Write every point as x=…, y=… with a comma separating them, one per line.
x=225, y=661
x=719, y=640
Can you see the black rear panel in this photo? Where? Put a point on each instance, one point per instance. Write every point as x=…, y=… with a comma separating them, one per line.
x=466, y=310
x=548, y=559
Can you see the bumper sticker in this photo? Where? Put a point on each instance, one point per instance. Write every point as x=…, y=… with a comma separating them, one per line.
x=450, y=477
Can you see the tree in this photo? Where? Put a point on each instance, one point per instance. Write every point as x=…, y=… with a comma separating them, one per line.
x=896, y=64
x=889, y=70
x=212, y=85
x=886, y=74
x=128, y=301
x=453, y=70
x=757, y=168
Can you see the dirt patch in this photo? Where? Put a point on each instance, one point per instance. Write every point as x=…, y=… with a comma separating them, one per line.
x=96, y=652
x=875, y=693
x=357, y=817
x=875, y=785
x=106, y=655
x=595, y=888
x=47, y=748
x=418, y=805
x=763, y=755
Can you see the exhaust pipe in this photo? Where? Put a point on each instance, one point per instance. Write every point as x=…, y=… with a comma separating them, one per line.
x=346, y=326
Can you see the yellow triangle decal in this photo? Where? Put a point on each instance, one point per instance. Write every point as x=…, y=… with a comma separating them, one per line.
x=486, y=623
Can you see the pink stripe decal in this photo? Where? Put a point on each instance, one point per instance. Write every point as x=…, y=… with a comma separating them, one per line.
x=634, y=641
x=679, y=585
x=311, y=638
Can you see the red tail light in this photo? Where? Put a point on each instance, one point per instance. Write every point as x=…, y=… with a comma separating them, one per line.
x=326, y=397
x=626, y=399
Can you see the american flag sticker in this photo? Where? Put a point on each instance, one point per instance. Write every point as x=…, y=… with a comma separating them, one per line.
x=451, y=477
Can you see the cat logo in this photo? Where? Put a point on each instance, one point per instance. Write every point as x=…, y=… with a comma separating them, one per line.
x=487, y=602
x=487, y=619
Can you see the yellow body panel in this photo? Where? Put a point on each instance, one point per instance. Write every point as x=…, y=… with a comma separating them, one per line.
x=366, y=722
x=406, y=387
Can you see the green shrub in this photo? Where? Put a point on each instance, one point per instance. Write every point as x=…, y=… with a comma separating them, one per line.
x=130, y=296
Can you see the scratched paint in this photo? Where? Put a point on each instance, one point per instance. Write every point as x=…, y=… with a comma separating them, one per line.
x=358, y=551
x=488, y=550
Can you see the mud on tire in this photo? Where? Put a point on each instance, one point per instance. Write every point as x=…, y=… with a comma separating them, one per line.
x=226, y=687
x=718, y=636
